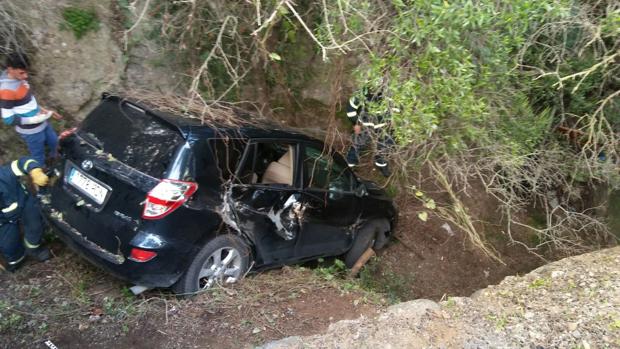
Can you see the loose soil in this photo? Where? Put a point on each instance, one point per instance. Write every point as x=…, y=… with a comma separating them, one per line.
x=437, y=262
x=74, y=305
x=434, y=259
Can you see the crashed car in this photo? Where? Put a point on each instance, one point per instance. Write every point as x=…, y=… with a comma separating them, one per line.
x=166, y=201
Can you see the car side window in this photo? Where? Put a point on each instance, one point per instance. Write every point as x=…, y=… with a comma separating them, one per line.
x=227, y=154
x=268, y=163
x=323, y=171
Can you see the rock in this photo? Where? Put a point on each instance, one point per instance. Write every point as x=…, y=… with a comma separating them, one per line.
x=448, y=229
x=412, y=310
x=286, y=343
x=72, y=73
x=556, y=274
x=156, y=77
x=509, y=315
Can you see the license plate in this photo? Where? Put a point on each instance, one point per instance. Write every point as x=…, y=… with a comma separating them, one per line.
x=87, y=186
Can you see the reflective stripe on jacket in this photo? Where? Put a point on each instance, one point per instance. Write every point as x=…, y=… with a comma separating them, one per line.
x=12, y=193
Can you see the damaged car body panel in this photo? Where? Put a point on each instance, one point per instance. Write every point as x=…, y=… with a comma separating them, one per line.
x=142, y=194
x=254, y=215
x=285, y=205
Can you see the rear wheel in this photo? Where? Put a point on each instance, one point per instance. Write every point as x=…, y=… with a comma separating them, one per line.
x=223, y=260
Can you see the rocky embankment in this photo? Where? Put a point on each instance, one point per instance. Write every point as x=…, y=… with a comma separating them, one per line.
x=571, y=303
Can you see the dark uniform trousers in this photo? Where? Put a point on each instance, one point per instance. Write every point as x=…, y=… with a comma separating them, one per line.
x=362, y=142
x=18, y=209
x=10, y=244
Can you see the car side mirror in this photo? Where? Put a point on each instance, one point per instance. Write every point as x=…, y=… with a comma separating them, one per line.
x=361, y=190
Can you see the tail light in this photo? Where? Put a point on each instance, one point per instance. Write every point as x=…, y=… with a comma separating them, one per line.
x=66, y=133
x=140, y=255
x=166, y=197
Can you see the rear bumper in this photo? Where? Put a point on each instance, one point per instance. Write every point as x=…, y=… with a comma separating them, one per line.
x=159, y=272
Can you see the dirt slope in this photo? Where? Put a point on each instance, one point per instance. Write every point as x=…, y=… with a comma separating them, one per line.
x=572, y=303
x=74, y=305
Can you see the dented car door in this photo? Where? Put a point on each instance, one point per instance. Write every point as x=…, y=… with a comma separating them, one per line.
x=264, y=201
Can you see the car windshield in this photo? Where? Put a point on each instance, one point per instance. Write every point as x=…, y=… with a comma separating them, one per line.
x=131, y=136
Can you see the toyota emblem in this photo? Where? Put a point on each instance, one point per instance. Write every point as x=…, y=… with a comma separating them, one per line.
x=87, y=165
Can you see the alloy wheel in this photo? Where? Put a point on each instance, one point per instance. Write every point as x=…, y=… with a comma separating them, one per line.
x=222, y=266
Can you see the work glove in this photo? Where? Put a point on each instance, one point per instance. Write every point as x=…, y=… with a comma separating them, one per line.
x=38, y=177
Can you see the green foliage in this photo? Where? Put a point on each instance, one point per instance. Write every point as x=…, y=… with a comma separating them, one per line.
x=11, y=322
x=330, y=272
x=542, y=282
x=375, y=279
x=450, y=67
x=450, y=303
x=220, y=79
x=124, y=7
x=486, y=75
x=79, y=21
x=292, y=50
x=481, y=85
x=500, y=321
x=483, y=88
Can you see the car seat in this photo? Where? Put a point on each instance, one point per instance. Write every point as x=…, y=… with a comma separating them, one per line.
x=281, y=171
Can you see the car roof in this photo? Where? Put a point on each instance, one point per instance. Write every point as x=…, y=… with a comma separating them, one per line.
x=249, y=132
x=194, y=128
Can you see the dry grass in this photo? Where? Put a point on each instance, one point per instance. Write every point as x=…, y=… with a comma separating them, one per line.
x=14, y=33
x=67, y=294
x=220, y=113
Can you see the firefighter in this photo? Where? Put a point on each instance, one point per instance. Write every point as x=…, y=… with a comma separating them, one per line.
x=369, y=126
x=18, y=207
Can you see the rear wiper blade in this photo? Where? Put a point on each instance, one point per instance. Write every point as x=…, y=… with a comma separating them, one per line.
x=92, y=139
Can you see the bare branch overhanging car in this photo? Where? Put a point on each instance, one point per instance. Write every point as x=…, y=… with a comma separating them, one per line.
x=164, y=201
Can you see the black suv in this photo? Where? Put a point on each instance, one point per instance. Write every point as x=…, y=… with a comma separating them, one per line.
x=166, y=201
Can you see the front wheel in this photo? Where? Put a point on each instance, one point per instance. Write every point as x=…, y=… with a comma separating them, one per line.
x=373, y=234
x=223, y=260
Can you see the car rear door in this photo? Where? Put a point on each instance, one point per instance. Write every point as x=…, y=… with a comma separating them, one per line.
x=263, y=200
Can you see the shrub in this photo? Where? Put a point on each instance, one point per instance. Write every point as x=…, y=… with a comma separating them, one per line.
x=79, y=21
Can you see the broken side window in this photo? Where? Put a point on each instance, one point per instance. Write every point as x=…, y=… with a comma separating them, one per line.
x=227, y=154
x=323, y=171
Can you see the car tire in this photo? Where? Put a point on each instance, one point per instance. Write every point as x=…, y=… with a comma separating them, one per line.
x=375, y=234
x=224, y=259
x=363, y=240
x=382, y=236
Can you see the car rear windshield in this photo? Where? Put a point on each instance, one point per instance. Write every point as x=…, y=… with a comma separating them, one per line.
x=132, y=136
